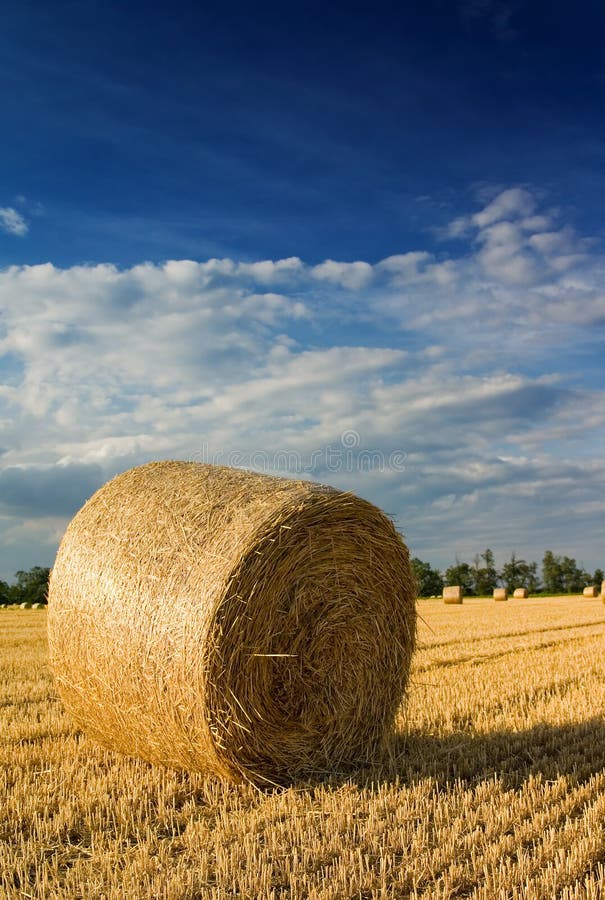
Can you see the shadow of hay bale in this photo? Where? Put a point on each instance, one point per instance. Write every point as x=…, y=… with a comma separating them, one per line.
x=545, y=750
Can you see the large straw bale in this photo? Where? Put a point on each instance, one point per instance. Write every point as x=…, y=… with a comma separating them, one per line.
x=520, y=593
x=222, y=621
x=453, y=594
x=590, y=591
x=500, y=594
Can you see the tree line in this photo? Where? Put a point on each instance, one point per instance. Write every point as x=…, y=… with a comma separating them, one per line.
x=558, y=575
x=28, y=587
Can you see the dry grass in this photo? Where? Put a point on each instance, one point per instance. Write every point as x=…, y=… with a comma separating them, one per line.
x=496, y=789
x=231, y=623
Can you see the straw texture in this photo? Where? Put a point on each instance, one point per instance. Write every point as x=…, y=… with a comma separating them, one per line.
x=221, y=621
x=453, y=594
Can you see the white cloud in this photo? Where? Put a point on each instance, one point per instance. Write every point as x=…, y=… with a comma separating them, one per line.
x=504, y=256
x=268, y=271
x=512, y=203
x=12, y=221
x=457, y=228
x=440, y=359
x=353, y=275
x=405, y=266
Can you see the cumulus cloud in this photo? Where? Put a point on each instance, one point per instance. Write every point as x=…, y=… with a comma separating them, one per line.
x=524, y=273
x=12, y=222
x=353, y=275
x=510, y=204
x=452, y=362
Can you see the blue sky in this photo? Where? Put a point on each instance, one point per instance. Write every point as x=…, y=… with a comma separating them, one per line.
x=236, y=233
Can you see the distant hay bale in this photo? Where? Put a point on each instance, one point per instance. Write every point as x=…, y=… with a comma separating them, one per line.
x=38, y=605
x=25, y=606
x=221, y=621
x=453, y=594
x=500, y=594
x=590, y=591
x=520, y=593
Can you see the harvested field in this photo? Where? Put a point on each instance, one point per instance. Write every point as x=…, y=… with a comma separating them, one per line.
x=496, y=788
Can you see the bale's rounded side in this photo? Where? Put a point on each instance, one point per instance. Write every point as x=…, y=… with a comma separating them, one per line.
x=520, y=593
x=500, y=594
x=217, y=620
x=453, y=594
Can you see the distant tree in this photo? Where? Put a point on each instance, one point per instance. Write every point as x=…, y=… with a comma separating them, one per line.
x=462, y=574
x=575, y=579
x=4, y=592
x=517, y=573
x=485, y=576
x=31, y=587
x=532, y=579
x=428, y=580
x=561, y=574
x=552, y=576
x=510, y=572
x=598, y=578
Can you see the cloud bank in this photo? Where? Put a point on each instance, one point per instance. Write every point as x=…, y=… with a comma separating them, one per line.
x=477, y=368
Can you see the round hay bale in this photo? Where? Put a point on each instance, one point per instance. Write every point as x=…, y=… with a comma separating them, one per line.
x=25, y=606
x=453, y=594
x=590, y=591
x=520, y=593
x=500, y=594
x=221, y=621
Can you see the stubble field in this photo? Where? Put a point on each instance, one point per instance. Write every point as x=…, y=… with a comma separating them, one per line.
x=496, y=787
